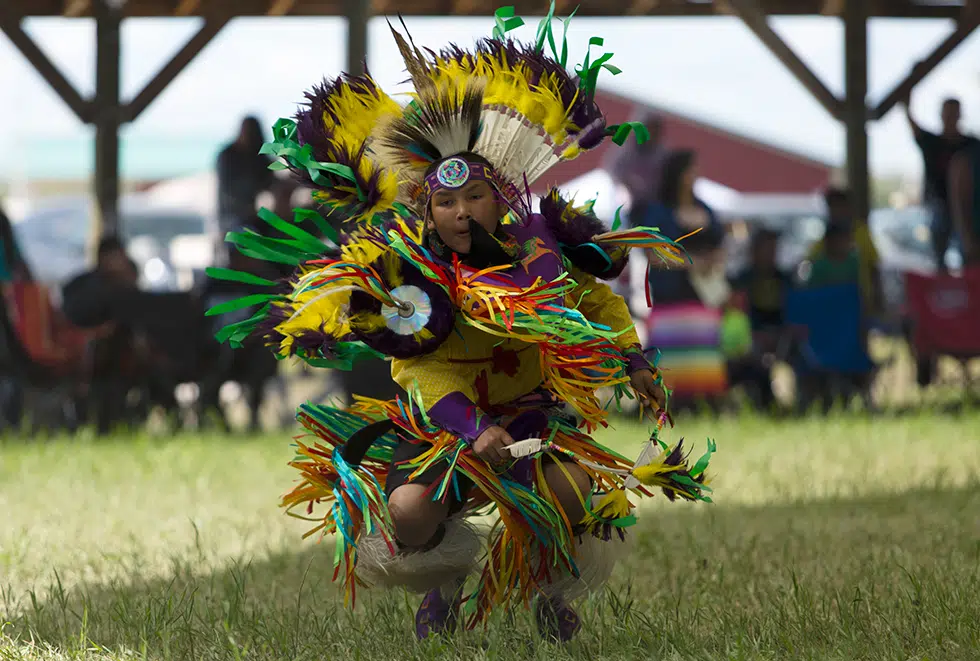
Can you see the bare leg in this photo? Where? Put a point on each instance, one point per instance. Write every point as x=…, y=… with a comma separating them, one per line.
x=416, y=516
x=556, y=620
x=569, y=485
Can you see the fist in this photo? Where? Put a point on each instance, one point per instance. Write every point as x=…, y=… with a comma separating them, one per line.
x=648, y=389
x=491, y=446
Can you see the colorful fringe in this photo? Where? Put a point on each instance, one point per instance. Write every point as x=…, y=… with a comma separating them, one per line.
x=532, y=540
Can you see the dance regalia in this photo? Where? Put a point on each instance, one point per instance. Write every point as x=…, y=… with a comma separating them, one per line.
x=518, y=339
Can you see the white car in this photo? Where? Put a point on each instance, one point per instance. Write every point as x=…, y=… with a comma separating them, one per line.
x=171, y=246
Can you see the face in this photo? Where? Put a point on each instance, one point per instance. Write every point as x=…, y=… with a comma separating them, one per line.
x=951, y=115
x=840, y=209
x=118, y=266
x=689, y=177
x=450, y=211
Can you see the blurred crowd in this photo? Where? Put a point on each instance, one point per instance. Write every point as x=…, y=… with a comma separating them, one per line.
x=102, y=351
x=817, y=315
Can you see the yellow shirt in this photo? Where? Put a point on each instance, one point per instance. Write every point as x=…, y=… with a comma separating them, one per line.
x=867, y=258
x=490, y=370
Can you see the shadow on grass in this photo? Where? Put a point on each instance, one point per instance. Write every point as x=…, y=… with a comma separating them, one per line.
x=884, y=577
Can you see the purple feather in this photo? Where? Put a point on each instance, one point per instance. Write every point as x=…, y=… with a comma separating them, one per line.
x=312, y=128
x=574, y=232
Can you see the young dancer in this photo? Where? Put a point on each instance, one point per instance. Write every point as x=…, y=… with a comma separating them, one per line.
x=497, y=324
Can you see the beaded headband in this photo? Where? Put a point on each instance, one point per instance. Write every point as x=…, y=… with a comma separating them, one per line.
x=454, y=173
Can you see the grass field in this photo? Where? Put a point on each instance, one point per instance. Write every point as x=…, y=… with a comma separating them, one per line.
x=842, y=539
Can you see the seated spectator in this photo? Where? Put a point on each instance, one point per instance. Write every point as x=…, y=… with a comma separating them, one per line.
x=763, y=283
x=852, y=258
x=764, y=287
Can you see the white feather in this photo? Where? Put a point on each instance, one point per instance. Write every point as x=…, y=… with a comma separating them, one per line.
x=515, y=146
x=524, y=448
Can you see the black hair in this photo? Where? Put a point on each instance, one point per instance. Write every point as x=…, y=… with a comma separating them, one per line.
x=110, y=244
x=251, y=132
x=835, y=195
x=676, y=164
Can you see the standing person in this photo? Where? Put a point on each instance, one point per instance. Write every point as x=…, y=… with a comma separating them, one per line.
x=765, y=287
x=495, y=318
x=964, y=201
x=677, y=213
x=938, y=151
x=243, y=173
x=638, y=168
x=853, y=255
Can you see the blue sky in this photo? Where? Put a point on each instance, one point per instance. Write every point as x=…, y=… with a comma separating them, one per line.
x=712, y=69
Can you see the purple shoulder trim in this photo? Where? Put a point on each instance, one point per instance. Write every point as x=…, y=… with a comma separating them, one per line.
x=456, y=413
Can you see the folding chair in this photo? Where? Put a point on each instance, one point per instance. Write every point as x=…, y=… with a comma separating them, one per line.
x=944, y=315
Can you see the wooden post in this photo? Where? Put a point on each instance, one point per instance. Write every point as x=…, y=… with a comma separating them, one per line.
x=855, y=104
x=107, y=114
x=358, y=15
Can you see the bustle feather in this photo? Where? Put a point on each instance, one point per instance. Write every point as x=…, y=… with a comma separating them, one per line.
x=337, y=124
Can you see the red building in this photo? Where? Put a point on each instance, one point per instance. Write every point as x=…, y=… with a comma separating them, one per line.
x=735, y=161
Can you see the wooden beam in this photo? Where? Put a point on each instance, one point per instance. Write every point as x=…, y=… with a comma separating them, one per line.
x=832, y=7
x=282, y=7
x=47, y=70
x=750, y=11
x=358, y=16
x=107, y=114
x=172, y=69
x=636, y=8
x=855, y=105
x=76, y=7
x=186, y=7
x=924, y=67
x=470, y=7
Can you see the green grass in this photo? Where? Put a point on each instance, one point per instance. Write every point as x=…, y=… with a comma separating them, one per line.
x=840, y=539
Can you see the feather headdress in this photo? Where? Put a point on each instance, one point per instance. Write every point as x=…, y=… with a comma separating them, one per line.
x=510, y=103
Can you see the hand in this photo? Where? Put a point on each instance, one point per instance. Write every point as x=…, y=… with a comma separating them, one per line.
x=491, y=446
x=648, y=389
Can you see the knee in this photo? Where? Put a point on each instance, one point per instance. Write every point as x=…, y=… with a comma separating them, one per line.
x=570, y=486
x=415, y=515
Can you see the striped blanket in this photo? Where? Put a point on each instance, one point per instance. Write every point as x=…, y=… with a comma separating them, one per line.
x=688, y=336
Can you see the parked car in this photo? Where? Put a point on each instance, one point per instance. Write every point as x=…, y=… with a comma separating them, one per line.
x=171, y=246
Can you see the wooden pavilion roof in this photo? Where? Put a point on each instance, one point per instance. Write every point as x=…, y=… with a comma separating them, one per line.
x=159, y=8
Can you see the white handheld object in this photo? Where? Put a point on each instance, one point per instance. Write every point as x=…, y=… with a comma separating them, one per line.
x=524, y=448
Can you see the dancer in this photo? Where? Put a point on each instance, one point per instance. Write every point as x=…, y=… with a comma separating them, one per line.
x=497, y=324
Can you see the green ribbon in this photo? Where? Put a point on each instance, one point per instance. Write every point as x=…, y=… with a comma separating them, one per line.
x=619, y=132
x=588, y=71
x=240, y=303
x=237, y=276
x=285, y=146
x=617, y=221
x=505, y=21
